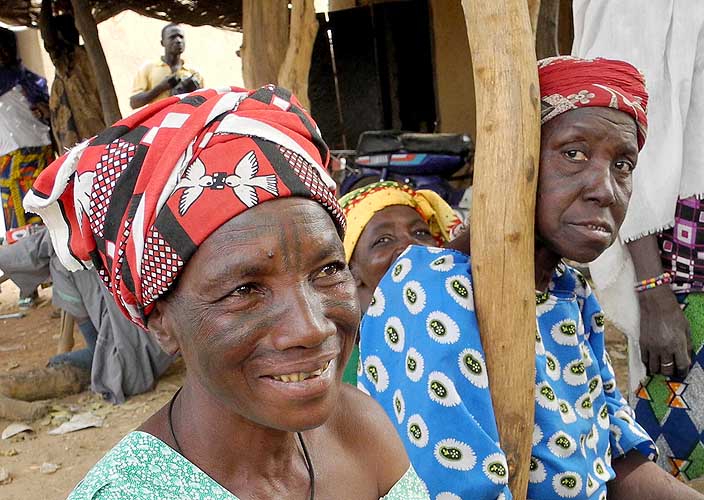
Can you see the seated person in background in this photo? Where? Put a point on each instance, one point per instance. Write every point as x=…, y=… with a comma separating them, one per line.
x=167, y=76
x=223, y=238
x=121, y=359
x=420, y=346
x=383, y=218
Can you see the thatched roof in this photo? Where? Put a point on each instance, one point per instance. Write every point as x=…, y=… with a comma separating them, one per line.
x=224, y=14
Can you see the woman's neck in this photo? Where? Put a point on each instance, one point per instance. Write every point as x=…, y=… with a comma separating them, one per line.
x=545, y=263
x=227, y=445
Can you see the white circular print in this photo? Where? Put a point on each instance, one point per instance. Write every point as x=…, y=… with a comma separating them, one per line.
x=443, y=263
x=566, y=412
x=575, y=373
x=442, y=328
x=545, y=396
x=394, y=334
x=552, y=366
x=376, y=373
x=377, y=305
x=460, y=289
x=442, y=390
x=414, y=365
x=567, y=484
x=565, y=332
x=455, y=454
x=537, y=472
x=417, y=431
x=496, y=468
x=473, y=367
x=399, y=405
x=401, y=269
x=414, y=297
x=562, y=444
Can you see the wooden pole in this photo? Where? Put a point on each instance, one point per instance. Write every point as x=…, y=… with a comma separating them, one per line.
x=503, y=208
x=264, y=42
x=294, y=71
x=85, y=23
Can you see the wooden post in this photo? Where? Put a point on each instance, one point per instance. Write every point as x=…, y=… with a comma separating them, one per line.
x=265, y=39
x=503, y=209
x=85, y=23
x=293, y=73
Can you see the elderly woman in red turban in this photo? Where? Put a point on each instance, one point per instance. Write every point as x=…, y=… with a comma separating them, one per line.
x=213, y=223
x=422, y=356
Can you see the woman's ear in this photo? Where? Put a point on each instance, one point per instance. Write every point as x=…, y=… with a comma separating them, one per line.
x=157, y=324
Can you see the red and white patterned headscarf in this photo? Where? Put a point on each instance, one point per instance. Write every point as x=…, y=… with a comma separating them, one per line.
x=136, y=201
x=568, y=83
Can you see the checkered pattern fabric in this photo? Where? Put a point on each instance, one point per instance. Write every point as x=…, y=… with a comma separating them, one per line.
x=682, y=247
x=136, y=201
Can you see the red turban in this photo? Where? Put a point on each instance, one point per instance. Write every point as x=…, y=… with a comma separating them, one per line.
x=136, y=201
x=568, y=83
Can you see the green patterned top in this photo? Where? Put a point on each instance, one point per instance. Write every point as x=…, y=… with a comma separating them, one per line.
x=142, y=467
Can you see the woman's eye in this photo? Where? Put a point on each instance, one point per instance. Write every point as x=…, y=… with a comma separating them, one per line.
x=576, y=155
x=624, y=166
x=381, y=241
x=423, y=233
x=331, y=269
x=243, y=291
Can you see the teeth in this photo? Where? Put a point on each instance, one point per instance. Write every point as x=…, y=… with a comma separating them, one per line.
x=301, y=376
x=597, y=228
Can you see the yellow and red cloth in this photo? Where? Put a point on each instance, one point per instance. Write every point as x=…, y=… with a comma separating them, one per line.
x=361, y=204
x=136, y=201
x=568, y=83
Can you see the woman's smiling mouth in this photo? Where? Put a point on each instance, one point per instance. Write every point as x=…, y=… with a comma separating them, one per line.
x=301, y=376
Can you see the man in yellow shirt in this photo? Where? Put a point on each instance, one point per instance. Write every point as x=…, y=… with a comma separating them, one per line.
x=168, y=76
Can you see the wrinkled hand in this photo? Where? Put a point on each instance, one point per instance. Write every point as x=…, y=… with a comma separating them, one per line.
x=665, y=335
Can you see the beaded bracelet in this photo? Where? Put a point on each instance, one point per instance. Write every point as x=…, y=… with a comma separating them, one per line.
x=662, y=279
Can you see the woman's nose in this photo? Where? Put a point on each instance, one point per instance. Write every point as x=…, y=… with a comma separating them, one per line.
x=600, y=184
x=304, y=323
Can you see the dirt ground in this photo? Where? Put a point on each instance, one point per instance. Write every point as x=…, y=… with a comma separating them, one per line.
x=28, y=343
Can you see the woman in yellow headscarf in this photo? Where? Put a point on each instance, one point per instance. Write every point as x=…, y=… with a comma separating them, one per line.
x=382, y=220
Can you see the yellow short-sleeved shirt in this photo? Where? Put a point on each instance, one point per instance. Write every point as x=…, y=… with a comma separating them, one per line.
x=151, y=73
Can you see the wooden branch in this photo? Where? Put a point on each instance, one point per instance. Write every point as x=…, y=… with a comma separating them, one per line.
x=264, y=42
x=534, y=14
x=85, y=23
x=503, y=209
x=294, y=71
x=546, y=36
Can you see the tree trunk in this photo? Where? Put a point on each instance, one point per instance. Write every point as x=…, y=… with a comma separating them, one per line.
x=293, y=73
x=265, y=39
x=546, y=37
x=502, y=238
x=85, y=23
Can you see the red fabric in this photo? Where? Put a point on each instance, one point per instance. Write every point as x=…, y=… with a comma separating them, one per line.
x=139, y=198
x=568, y=83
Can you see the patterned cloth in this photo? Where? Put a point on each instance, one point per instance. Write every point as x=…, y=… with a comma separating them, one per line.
x=672, y=410
x=423, y=361
x=138, y=199
x=18, y=170
x=361, y=204
x=682, y=247
x=142, y=467
x=568, y=83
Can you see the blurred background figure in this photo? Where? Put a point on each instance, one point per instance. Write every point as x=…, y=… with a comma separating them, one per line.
x=76, y=113
x=167, y=76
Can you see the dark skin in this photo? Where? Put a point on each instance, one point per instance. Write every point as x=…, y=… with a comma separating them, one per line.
x=586, y=161
x=174, y=42
x=265, y=296
x=665, y=334
x=385, y=236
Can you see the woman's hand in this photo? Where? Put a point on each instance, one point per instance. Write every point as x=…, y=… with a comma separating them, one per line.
x=665, y=336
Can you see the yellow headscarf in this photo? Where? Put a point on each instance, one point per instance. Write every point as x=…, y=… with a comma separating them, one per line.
x=360, y=205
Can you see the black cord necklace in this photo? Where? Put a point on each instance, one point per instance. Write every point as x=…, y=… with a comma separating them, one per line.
x=306, y=456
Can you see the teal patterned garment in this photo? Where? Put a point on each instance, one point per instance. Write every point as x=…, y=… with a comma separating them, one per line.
x=422, y=359
x=142, y=467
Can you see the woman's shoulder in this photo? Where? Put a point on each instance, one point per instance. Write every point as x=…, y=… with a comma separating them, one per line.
x=365, y=429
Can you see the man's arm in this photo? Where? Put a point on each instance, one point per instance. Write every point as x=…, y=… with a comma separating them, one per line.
x=146, y=96
x=665, y=338
x=639, y=478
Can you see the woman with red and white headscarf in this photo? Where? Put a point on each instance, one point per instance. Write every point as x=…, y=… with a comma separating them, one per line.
x=420, y=348
x=213, y=223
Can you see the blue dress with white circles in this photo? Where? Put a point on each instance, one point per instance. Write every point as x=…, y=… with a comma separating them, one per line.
x=422, y=359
